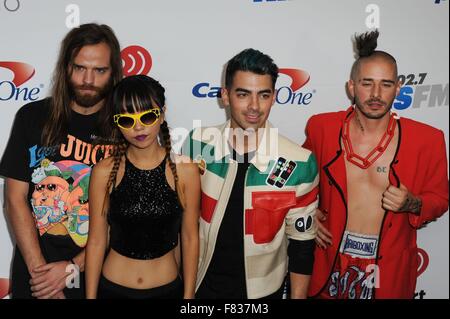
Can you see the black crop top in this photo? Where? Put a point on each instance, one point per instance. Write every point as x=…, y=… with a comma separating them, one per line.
x=144, y=214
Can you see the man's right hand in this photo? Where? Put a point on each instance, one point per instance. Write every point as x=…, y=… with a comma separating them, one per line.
x=56, y=295
x=323, y=237
x=49, y=279
x=59, y=295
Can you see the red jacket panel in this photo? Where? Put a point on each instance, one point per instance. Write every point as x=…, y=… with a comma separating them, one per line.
x=420, y=164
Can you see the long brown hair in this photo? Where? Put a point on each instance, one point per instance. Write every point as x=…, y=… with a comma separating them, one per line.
x=56, y=127
x=138, y=93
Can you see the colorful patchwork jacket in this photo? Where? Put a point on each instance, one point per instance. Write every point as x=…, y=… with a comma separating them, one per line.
x=280, y=198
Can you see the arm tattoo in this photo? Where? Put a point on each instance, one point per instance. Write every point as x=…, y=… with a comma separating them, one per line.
x=412, y=204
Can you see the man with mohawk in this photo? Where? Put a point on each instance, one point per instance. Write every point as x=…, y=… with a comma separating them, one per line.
x=382, y=177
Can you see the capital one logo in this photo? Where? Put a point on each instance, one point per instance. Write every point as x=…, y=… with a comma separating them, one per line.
x=136, y=60
x=287, y=94
x=14, y=89
x=423, y=261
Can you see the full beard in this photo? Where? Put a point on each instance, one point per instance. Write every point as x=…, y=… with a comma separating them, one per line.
x=88, y=100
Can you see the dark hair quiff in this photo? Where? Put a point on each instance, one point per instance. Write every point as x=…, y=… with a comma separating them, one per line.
x=251, y=60
x=365, y=46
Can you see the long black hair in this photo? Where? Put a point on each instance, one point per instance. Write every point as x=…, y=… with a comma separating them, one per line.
x=138, y=93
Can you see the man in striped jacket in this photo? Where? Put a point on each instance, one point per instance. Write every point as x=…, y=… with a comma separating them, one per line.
x=259, y=193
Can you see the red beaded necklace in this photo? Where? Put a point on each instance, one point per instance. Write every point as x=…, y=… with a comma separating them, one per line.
x=365, y=162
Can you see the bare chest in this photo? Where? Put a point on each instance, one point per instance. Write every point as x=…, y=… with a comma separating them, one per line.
x=365, y=188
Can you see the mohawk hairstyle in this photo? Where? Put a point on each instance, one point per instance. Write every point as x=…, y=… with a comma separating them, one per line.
x=366, y=43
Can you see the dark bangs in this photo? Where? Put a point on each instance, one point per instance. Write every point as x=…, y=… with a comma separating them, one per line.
x=137, y=93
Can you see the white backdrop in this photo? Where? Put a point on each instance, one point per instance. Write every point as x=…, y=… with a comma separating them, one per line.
x=189, y=42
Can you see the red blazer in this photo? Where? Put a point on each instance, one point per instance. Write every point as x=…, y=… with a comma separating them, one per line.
x=420, y=163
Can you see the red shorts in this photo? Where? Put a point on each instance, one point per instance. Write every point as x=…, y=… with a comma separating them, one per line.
x=353, y=276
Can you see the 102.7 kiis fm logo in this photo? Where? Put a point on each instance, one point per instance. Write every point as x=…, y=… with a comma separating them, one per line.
x=416, y=93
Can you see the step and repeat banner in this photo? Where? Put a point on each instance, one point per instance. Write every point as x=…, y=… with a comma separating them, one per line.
x=185, y=44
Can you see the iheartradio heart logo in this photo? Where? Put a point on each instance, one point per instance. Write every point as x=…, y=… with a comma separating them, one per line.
x=136, y=60
x=423, y=261
x=4, y=287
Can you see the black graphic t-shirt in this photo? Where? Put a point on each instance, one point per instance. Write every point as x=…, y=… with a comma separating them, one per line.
x=58, y=175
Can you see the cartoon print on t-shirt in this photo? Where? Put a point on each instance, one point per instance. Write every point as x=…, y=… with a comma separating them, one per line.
x=61, y=196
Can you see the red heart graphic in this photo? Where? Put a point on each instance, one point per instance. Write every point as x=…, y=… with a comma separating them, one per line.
x=423, y=261
x=4, y=287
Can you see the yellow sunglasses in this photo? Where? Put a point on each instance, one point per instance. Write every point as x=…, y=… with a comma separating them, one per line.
x=128, y=121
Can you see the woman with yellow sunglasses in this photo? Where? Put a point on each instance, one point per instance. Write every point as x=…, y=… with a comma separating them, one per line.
x=147, y=196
